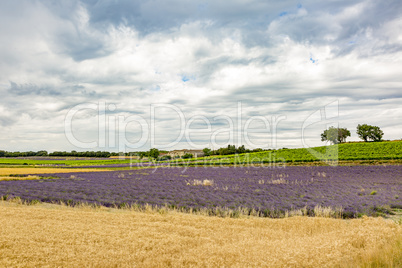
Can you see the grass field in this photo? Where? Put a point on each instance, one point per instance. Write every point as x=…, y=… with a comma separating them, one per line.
x=52, y=235
x=44, y=162
x=348, y=152
x=360, y=151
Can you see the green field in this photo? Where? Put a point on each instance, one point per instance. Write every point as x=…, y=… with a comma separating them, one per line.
x=387, y=150
x=86, y=162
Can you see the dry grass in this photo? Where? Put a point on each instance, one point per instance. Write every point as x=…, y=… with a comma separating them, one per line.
x=22, y=171
x=19, y=178
x=51, y=235
x=196, y=182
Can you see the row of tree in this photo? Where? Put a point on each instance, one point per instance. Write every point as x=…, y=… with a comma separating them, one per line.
x=230, y=149
x=23, y=154
x=60, y=154
x=364, y=131
x=152, y=153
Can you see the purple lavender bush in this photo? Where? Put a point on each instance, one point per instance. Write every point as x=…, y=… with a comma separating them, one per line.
x=270, y=191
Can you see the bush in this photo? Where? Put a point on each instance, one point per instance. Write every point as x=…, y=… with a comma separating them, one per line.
x=186, y=156
x=164, y=158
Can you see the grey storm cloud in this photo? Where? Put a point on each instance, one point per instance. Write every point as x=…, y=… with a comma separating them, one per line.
x=252, y=16
x=142, y=14
x=201, y=58
x=31, y=89
x=6, y=121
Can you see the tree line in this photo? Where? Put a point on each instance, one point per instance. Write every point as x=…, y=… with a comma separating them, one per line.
x=230, y=149
x=42, y=153
x=93, y=154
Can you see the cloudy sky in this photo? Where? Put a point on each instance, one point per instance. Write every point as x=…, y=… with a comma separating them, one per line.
x=128, y=75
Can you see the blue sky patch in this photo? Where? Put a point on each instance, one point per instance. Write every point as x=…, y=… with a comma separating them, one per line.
x=186, y=78
x=313, y=60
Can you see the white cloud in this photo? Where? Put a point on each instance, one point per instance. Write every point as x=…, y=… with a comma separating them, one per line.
x=57, y=56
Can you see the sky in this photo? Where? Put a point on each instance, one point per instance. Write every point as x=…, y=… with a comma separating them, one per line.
x=130, y=75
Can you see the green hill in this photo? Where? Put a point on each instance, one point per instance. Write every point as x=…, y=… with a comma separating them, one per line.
x=387, y=150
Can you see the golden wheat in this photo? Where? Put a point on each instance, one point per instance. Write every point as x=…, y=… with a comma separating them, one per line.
x=29, y=177
x=22, y=171
x=53, y=235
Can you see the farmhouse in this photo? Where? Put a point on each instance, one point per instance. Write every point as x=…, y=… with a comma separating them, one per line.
x=180, y=153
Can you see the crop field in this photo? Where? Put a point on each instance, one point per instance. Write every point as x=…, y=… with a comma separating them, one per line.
x=269, y=192
x=135, y=212
x=57, y=236
x=28, y=170
x=389, y=150
x=49, y=161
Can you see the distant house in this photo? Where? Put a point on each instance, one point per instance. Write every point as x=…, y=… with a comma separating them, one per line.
x=180, y=153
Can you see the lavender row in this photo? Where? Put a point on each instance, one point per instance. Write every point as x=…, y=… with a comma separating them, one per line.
x=357, y=189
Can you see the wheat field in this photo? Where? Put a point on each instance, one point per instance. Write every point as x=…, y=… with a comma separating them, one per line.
x=30, y=170
x=53, y=235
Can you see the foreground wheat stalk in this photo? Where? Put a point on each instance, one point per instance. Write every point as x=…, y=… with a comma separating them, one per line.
x=54, y=235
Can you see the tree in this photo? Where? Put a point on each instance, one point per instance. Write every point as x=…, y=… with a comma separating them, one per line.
x=241, y=149
x=42, y=153
x=335, y=135
x=231, y=149
x=154, y=153
x=207, y=151
x=343, y=133
x=367, y=132
x=143, y=154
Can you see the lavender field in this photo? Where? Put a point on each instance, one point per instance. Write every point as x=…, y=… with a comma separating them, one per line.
x=270, y=191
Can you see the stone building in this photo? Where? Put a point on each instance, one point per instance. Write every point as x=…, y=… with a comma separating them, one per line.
x=180, y=153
